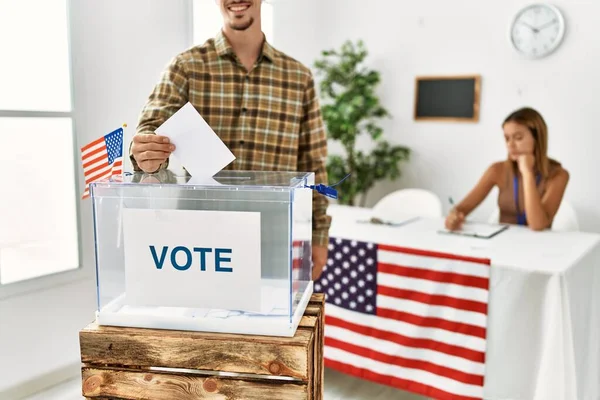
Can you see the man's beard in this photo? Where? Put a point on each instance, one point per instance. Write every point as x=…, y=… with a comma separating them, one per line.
x=241, y=27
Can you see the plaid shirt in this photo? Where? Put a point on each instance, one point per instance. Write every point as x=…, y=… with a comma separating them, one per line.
x=269, y=117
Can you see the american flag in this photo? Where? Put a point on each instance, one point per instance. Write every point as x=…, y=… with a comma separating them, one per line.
x=407, y=318
x=102, y=158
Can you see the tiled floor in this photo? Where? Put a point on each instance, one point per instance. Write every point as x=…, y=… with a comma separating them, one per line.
x=337, y=387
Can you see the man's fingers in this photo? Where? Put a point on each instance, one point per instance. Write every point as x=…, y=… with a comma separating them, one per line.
x=142, y=147
x=153, y=155
x=150, y=138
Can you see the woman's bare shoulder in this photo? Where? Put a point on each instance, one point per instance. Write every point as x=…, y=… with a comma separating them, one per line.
x=497, y=171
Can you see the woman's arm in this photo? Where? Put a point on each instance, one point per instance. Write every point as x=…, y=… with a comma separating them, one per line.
x=540, y=210
x=486, y=183
x=483, y=187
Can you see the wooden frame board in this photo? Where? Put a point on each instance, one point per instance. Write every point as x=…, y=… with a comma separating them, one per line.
x=472, y=82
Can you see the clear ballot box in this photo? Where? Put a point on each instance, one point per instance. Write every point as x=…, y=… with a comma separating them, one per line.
x=231, y=253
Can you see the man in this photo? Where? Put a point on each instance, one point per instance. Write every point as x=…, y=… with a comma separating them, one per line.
x=261, y=103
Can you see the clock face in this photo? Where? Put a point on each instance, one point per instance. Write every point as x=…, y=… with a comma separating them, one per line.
x=537, y=30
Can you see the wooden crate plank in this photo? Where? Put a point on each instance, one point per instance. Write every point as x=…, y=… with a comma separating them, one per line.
x=130, y=385
x=318, y=354
x=119, y=346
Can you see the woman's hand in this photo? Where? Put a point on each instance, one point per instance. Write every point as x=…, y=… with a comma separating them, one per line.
x=526, y=163
x=454, y=220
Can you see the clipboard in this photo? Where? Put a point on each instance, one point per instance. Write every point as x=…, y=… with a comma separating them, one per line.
x=477, y=230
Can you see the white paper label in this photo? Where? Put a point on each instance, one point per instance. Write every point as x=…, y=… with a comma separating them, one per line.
x=192, y=259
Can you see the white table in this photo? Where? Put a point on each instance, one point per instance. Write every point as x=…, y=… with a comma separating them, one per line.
x=543, y=336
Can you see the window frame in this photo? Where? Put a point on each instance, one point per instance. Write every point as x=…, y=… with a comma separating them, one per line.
x=55, y=279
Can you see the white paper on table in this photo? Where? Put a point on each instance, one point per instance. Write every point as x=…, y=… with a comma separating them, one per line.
x=199, y=149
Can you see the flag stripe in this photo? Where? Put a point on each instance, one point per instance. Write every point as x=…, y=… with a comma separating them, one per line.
x=432, y=287
x=408, y=330
x=437, y=300
x=402, y=340
x=393, y=381
x=95, y=151
x=370, y=338
x=434, y=254
x=103, y=164
x=432, y=322
x=94, y=162
x=92, y=144
x=416, y=375
x=432, y=311
x=422, y=365
x=434, y=264
x=102, y=174
x=437, y=276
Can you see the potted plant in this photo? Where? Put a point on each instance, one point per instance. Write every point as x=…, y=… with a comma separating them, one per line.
x=352, y=108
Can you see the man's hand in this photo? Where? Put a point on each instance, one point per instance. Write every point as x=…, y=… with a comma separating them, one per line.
x=319, y=259
x=150, y=151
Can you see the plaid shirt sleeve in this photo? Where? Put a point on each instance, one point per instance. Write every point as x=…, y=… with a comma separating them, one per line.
x=312, y=154
x=168, y=96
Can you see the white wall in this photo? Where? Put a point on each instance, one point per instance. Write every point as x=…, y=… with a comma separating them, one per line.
x=119, y=49
x=438, y=37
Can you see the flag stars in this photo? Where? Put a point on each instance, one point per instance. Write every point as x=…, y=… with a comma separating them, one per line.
x=349, y=280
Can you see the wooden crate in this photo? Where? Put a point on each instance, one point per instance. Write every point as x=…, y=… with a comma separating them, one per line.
x=134, y=363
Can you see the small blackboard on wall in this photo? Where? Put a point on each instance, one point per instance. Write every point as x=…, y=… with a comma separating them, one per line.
x=447, y=98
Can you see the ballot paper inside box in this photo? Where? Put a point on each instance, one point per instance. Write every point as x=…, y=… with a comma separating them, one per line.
x=231, y=253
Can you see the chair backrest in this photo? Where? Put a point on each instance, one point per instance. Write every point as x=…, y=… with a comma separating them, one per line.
x=408, y=202
x=565, y=219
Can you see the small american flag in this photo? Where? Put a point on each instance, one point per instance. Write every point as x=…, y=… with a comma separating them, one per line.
x=407, y=318
x=102, y=158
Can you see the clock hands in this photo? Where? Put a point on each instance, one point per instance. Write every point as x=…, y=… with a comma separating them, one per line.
x=547, y=24
x=534, y=29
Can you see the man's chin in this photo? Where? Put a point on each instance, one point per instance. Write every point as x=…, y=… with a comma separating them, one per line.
x=241, y=26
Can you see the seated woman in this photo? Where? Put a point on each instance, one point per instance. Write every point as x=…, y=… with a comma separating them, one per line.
x=530, y=185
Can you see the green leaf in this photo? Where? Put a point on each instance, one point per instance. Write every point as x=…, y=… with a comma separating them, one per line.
x=351, y=107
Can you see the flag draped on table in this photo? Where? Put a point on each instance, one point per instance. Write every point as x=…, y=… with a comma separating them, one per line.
x=412, y=319
x=102, y=158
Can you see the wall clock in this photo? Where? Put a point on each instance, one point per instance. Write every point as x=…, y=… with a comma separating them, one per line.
x=537, y=30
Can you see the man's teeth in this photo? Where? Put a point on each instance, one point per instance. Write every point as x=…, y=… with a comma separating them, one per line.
x=238, y=8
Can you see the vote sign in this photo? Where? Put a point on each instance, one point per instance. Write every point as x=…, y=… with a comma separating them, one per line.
x=192, y=259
